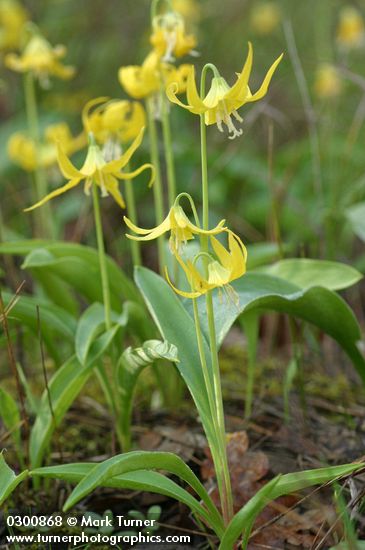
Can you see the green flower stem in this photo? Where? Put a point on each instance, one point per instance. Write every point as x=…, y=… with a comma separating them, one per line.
x=132, y=214
x=157, y=186
x=226, y=493
x=169, y=154
x=43, y=221
x=102, y=257
x=218, y=446
x=154, y=7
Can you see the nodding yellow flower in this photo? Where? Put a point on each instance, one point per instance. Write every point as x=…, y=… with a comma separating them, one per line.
x=140, y=81
x=222, y=101
x=96, y=170
x=350, y=30
x=169, y=38
x=265, y=17
x=227, y=266
x=26, y=153
x=328, y=83
x=176, y=222
x=42, y=59
x=13, y=16
x=188, y=9
x=117, y=121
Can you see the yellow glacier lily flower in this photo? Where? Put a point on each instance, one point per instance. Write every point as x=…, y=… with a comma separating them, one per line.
x=12, y=19
x=119, y=120
x=169, y=38
x=40, y=58
x=189, y=9
x=96, y=170
x=265, y=17
x=176, y=222
x=328, y=83
x=222, y=101
x=228, y=266
x=351, y=29
x=24, y=151
x=141, y=81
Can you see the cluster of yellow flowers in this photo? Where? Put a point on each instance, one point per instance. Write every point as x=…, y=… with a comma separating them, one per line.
x=217, y=271
x=111, y=124
x=13, y=18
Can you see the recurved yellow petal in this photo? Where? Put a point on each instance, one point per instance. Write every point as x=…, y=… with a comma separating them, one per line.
x=69, y=185
x=135, y=173
x=68, y=170
x=116, y=165
x=262, y=91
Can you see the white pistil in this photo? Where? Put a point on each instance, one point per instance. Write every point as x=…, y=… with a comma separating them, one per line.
x=171, y=38
x=224, y=116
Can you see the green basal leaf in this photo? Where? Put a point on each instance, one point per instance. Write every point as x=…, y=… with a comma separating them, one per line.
x=141, y=480
x=177, y=327
x=9, y=480
x=356, y=216
x=56, y=323
x=75, y=264
x=131, y=364
x=317, y=305
x=64, y=387
x=279, y=486
x=142, y=460
x=306, y=273
x=9, y=412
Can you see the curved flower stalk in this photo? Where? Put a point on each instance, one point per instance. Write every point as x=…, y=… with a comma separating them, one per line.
x=96, y=170
x=178, y=224
x=41, y=59
x=13, y=17
x=24, y=151
x=219, y=271
x=143, y=81
x=115, y=120
x=221, y=102
x=169, y=37
x=351, y=29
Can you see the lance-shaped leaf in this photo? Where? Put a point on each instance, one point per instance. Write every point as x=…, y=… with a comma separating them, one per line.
x=279, y=486
x=141, y=460
x=141, y=480
x=64, y=387
x=306, y=273
x=132, y=362
x=9, y=480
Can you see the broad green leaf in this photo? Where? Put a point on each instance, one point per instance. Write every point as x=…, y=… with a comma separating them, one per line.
x=259, y=254
x=9, y=412
x=141, y=480
x=177, y=327
x=55, y=321
x=356, y=216
x=63, y=257
x=279, y=486
x=131, y=364
x=317, y=305
x=9, y=480
x=306, y=273
x=92, y=323
x=64, y=387
x=141, y=460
